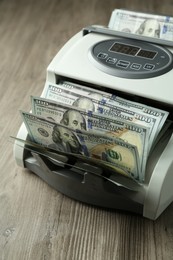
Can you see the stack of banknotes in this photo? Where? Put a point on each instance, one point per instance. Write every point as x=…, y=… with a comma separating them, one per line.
x=150, y=25
x=99, y=127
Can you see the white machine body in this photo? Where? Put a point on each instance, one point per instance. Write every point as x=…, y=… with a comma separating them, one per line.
x=76, y=62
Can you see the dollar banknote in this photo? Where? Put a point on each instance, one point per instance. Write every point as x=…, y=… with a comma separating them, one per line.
x=95, y=101
x=80, y=164
x=150, y=25
x=121, y=156
x=87, y=120
x=105, y=97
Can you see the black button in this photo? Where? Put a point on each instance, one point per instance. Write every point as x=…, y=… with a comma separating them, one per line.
x=123, y=64
x=102, y=55
x=111, y=60
x=148, y=66
x=135, y=66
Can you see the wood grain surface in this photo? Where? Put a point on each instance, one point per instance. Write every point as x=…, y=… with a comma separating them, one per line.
x=37, y=222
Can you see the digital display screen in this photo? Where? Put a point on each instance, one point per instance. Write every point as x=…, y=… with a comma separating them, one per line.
x=125, y=49
x=132, y=50
x=147, y=54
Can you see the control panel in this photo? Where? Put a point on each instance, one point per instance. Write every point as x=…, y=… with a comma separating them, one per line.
x=133, y=59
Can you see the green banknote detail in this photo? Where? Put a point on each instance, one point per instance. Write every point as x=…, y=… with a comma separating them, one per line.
x=116, y=154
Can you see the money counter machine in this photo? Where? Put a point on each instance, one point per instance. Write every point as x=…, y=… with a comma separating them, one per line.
x=124, y=61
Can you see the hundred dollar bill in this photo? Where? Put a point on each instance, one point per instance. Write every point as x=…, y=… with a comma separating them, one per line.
x=150, y=25
x=115, y=153
x=159, y=114
x=79, y=163
x=87, y=120
x=102, y=105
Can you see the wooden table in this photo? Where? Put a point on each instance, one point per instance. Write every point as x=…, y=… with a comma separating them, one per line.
x=37, y=222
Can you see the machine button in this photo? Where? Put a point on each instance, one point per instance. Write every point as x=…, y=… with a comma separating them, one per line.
x=148, y=66
x=102, y=55
x=123, y=64
x=135, y=66
x=111, y=60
